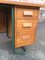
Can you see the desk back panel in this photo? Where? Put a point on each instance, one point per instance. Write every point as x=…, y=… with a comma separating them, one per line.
x=9, y=23
x=3, y=27
x=2, y=20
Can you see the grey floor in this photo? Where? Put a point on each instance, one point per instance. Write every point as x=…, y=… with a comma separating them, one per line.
x=34, y=52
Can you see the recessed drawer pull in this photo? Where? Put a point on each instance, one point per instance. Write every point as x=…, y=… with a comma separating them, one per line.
x=28, y=13
x=26, y=37
x=27, y=25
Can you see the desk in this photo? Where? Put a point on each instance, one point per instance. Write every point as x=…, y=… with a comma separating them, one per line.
x=24, y=19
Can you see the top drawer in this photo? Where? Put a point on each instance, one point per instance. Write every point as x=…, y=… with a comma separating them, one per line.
x=26, y=13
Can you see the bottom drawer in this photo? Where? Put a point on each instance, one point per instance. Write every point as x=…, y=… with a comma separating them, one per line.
x=24, y=40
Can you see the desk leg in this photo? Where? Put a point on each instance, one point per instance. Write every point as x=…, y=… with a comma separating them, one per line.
x=21, y=50
x=12, y=10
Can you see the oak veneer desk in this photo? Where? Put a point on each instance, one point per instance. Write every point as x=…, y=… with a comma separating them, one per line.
x=24, y=20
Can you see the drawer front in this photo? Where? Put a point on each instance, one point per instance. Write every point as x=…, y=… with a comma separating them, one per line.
x=24, y=39
x=26, y=25
x=26, y=13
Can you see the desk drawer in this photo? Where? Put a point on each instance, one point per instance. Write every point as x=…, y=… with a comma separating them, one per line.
x=26, y=13
x=26, y=25
x=24, y=39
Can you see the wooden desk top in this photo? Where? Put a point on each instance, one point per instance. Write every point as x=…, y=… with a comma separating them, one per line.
x=21, y=3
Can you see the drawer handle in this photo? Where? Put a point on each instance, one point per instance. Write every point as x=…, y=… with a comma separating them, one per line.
x=27, y=25
x=28, y=13
x=26, y=37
